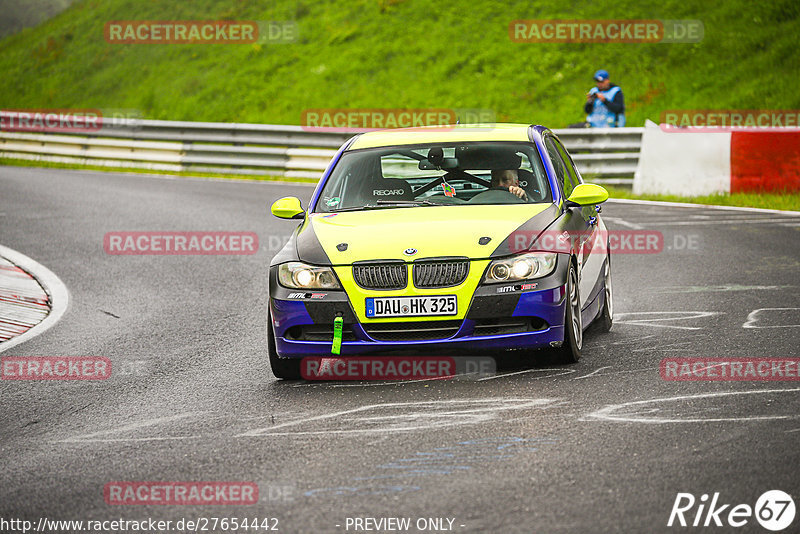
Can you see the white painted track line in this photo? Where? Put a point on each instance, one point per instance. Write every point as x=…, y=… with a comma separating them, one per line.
x=709, y=206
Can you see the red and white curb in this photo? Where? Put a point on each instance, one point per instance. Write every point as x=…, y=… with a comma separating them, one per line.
x=704, y=162
x=32, y=298
x=23, y=302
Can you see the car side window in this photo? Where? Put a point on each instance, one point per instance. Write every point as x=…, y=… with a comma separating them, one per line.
x=560, y=167
x=574, y=176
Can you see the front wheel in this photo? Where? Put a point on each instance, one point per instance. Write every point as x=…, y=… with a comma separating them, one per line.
x=570, y=350
x=284, y=368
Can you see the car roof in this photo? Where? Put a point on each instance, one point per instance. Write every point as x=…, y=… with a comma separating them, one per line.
x=453, y=133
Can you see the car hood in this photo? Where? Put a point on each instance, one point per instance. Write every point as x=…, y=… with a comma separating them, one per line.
x=432, y=231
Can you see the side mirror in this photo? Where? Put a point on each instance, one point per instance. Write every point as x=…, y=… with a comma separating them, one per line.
x=587, y=195
x=288, y=208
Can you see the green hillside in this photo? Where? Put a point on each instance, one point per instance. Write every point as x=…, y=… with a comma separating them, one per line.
x=403, y=53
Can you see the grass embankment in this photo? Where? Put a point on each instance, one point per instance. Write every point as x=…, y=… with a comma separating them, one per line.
x=403, y=54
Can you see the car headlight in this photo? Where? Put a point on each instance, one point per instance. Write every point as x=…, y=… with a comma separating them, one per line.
x=522, y=267
x=297, y=275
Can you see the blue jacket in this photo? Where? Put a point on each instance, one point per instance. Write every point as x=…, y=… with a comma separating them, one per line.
x=608, y=114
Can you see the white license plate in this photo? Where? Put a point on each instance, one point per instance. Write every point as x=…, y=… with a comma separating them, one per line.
x=411, y=306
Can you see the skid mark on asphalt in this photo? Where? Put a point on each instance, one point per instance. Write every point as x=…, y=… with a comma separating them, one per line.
x=390, y=418
x=643, y=411
x=591, y=345
x=593, y=373
x=743, y=220
x=768, y=317
x=99, y=436
x=184, y=426
x=597, y=374
x=400, y=382
x=562, y=372
x=634, y=341
x=720, y=288
x=664, y=347
x=364, y=420
x=658, y=318
x=621, y=222
x=366, y=384
x=402, y=417
x=524, y=371
x=625, y=371
x=388, y=478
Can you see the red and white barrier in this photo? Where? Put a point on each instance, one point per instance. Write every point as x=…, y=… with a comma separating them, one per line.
x=694, y=163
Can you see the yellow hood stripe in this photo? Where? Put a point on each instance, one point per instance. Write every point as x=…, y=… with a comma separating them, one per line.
x=434, y=231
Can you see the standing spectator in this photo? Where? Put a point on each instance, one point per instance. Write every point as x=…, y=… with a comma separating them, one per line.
x=605, y=104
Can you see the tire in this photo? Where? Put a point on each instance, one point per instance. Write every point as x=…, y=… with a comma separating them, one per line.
x=606, y=317
x=283, y=368
x=570, y=350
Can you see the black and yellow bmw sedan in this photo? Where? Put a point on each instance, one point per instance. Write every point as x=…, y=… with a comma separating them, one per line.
x=442, y=238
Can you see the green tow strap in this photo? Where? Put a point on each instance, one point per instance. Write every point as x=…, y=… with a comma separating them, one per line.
x=337, y=335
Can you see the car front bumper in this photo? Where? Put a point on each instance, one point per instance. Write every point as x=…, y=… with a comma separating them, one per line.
x=500, y=317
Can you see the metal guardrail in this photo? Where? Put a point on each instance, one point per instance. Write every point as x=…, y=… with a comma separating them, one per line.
x=262, y=149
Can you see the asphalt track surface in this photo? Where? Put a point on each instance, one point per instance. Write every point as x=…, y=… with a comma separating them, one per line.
x=538, y=448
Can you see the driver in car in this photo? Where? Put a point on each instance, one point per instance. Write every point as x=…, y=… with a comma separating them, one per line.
x=508, y=179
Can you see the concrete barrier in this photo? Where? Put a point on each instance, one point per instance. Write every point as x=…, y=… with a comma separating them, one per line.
x=695, y=163
x=686, y=164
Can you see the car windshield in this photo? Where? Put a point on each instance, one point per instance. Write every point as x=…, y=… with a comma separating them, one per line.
x=436, y=175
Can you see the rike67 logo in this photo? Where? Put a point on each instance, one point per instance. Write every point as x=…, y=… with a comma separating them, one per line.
x=774, y=510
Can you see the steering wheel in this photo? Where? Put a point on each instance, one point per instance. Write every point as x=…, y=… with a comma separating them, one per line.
x=497, y=195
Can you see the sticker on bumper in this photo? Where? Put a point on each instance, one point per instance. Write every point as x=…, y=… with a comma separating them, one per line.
x=307, y=295
x=517, y=287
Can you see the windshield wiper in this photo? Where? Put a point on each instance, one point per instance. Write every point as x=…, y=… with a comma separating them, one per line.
x=409, y=202
x=357, y=208
x=383, y=204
